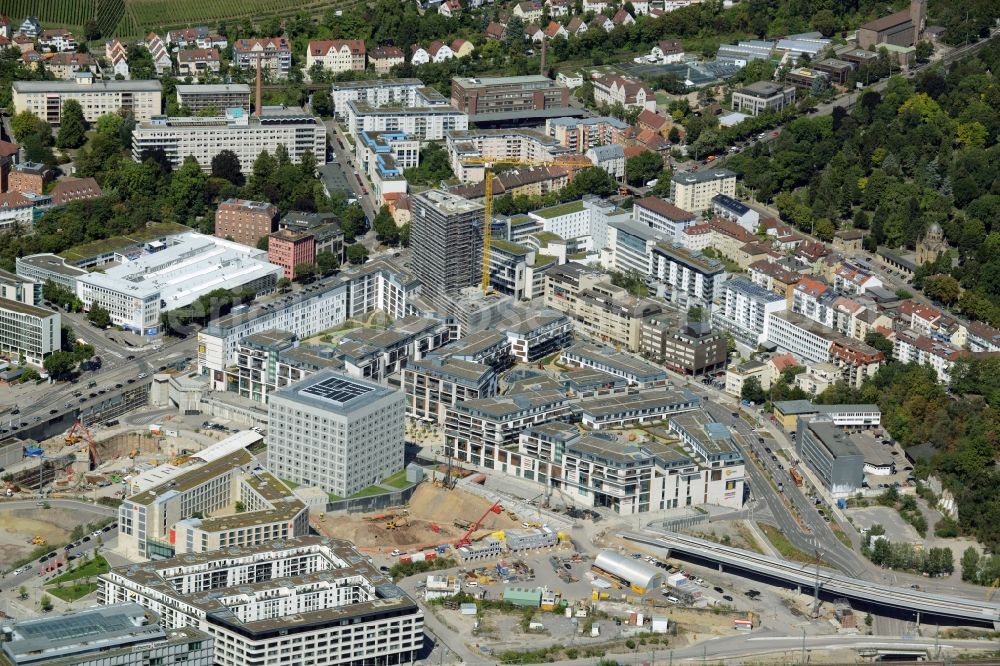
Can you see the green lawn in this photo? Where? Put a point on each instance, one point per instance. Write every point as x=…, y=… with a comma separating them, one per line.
x=397, y=480
x=370, y=490
x=291, y=484
x=90, y=569
x=334, y=498
x=784, y=546
x=73, y=592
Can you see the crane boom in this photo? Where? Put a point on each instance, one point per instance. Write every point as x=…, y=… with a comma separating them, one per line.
x=464, y=541
x=488, y=164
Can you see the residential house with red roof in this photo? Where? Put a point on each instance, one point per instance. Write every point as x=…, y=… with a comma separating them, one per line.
x=384, y=58
x=630, y=93
x=75, y=189
x=336, y=55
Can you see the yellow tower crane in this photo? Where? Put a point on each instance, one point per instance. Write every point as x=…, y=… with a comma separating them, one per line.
x=488, y=164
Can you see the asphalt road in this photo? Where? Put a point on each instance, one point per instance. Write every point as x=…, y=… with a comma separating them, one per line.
x=344, y=158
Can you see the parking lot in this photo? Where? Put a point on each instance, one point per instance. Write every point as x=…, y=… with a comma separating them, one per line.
x=896, y=529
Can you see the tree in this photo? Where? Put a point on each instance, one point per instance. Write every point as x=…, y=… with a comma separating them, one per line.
x=385, y=226
x=91, y=30
x=352, y=222
x=752, y=391
x=824, y=229
x=22, y=592
x=943, y=288
x=45, y=603
x=59, y=363
x=643, y=167
x=263, y=242
x=357, y=253
x=825, y=21
x=970, y=565
x=27, y=124
x=305, y=272
x=226, y=165
x=327, y=262
x=98, y=316
x=322, y=103
x=924, y=50
x=283, y=284
x=187, y=189
x=73, y=126
x=880, y=342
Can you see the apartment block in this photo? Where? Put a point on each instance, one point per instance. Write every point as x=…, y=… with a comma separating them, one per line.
x=468, y=148
x=663, y=217
x=693, y=190
x=246, y=136
x=310, y=598
x=538, y=336
x=45, y=99
x=384, y=157
x=745, y=310
x=438, y=382
x=688, y=278
x=274, y=359
x=377, y=355
x=429, y=118
x=598, y=309
x=633, y=369
x=336, y=55
x=274, y=55
x=375, y=93
x=336, y=432
x=446, y=242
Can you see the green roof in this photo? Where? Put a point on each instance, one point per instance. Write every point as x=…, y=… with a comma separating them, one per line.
x=543, y=260
x=561, y=209
x=99, y=247
x=507, y=246
x=546, y=237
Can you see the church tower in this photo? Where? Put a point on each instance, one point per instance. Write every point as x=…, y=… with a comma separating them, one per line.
x=918, y=17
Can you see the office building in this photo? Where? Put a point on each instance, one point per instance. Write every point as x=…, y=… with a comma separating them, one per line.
x=438, y=382
x=190, y=508
x=663, y=217
x=616, y=412
x=28, y=330
x=630, y=247
x=124, y=634
x=850, y=417
x=510, y=98
x=763, y=97
x=687, y=278
x=307, y=599
x=217, y=96
x=97, y=98
x=336, y=55
x=446, y=242
x=245, y=222
x=42, y=268
x=375, y=93
x=29, y=177
x=428, y=118
x=336, y=432
x=136, y=292
x=831, y=454
x=303, y=313
x=690, y=348
x=245, y=135
x=693, y=190
x=274, y=55
x=290, y=249
x=807, y=339
x=745, y=310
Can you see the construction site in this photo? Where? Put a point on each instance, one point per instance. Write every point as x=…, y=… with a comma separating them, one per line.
x=435, y=515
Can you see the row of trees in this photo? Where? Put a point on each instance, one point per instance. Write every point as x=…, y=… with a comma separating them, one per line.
x=905, y=557
x=980, y=569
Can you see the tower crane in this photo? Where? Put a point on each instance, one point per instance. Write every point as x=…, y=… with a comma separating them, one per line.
x=488, y=165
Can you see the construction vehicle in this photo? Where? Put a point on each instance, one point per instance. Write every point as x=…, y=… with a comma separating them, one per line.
x=461, y=524
x=464, y=541
x=512, y=515
x=488, y=164
x=180, y=460
x=72, y=438
x=402, y=521
x=133, y=453
x=38, y=541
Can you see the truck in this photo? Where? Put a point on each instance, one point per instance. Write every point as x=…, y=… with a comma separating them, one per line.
x=796, y=477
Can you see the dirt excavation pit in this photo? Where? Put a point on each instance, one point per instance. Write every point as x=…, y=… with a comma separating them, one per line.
x=20, y=526
x=429, y=506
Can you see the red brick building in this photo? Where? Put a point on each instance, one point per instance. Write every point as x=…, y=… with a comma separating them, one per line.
x=29, y=177
x=288, y=249
x=245, y=221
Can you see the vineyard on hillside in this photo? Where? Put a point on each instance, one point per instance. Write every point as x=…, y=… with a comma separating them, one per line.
x=135, y=18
